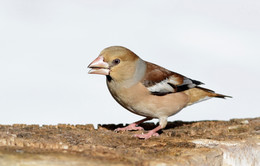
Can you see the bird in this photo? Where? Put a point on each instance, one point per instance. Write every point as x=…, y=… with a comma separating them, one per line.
x=147, y=89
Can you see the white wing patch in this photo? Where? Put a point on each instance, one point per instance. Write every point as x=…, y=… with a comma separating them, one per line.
x=172, y=84
x=162, y=87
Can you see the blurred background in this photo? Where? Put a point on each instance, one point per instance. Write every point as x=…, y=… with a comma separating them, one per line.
x=46, y=46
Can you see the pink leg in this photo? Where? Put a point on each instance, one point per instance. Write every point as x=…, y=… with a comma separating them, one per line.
x=151, y=133
x=133, y=126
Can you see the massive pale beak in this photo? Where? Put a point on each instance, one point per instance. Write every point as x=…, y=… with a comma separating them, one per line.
x=98, y=66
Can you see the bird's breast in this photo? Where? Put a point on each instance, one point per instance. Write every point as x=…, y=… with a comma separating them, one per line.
x=128, y=97
x=139, y=100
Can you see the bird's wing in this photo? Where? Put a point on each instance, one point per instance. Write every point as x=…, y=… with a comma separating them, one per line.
x=160, y=81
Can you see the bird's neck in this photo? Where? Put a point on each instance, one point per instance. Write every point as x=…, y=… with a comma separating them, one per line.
x=135, y=79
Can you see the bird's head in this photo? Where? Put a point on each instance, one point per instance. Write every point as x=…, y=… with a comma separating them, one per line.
x=116, y=61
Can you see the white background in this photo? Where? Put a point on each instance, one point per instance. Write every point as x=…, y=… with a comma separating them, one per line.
x=46, y=46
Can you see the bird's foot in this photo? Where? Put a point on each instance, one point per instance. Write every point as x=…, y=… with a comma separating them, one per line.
x=129, y=127
x=147, y=135
x=151, y=133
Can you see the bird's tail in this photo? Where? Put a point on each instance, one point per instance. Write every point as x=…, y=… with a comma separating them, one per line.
x=213, y=94
x=199, y=94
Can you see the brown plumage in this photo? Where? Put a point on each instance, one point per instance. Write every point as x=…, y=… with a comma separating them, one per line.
x=145, y=88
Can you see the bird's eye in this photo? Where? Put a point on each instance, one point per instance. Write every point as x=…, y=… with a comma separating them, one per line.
x=116, y=61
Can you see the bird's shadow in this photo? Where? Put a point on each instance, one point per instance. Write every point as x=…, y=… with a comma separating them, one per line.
x=146, y=126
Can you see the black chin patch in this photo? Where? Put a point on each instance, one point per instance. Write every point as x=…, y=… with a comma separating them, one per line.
x=109, y=78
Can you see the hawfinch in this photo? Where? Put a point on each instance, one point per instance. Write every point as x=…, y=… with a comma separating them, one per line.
x=145, y=88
